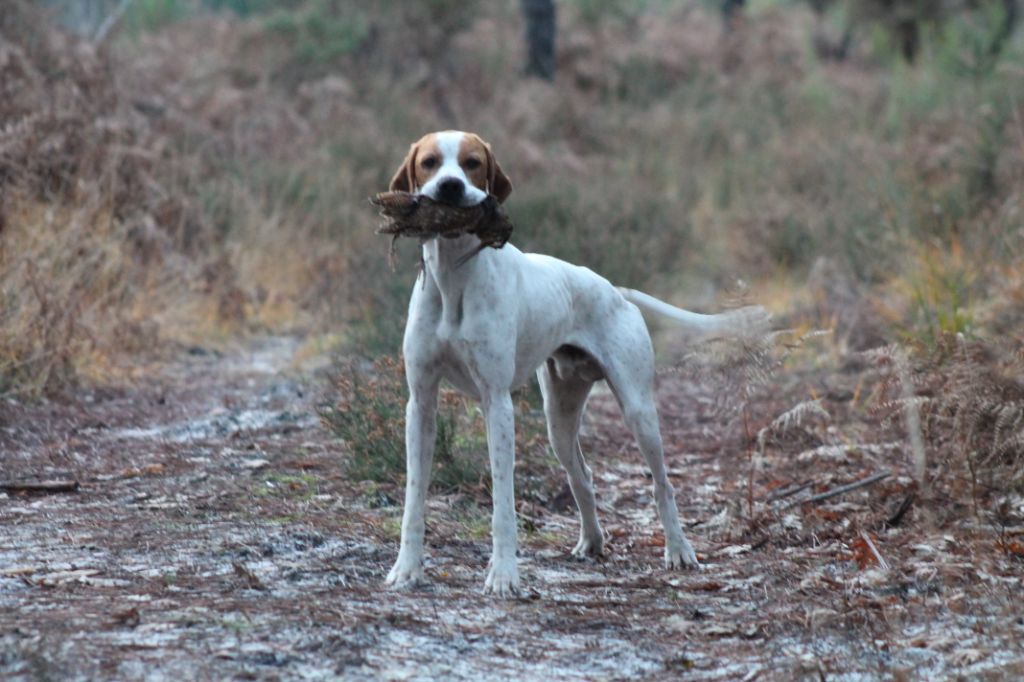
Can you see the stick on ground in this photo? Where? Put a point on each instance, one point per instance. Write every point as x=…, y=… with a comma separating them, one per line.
x=39, y=486
x=835, y=492
x=874, y=550
x=789, y=491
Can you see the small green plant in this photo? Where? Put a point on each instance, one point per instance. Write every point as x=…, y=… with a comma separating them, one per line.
x=235, y=625
x=391, y=527
x=370, y=418
x=940, y=299
x=301, y=486
x=475, y=523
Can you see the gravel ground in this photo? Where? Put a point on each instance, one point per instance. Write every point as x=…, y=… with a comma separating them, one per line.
x=214, y=535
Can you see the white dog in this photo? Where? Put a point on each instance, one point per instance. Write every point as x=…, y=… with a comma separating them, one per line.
x=487, y=325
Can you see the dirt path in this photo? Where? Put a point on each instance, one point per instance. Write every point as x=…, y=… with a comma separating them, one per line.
x=215, y=536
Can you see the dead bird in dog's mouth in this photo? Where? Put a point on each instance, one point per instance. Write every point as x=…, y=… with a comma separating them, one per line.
x=419, y=216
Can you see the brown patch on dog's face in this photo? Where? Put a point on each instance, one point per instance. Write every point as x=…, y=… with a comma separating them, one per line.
x=474, y=159
x=429, y=159
x=478, y=162
x=422, y=161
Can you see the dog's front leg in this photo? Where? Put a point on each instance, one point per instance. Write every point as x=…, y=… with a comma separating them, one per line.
x=420, y=434
x=503, y=576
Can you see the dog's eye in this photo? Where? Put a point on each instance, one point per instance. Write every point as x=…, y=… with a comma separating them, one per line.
x=472, y=164
x=429, y=162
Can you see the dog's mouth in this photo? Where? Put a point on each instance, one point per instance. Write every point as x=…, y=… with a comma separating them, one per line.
x=452, y=203
x=453, y=192
x=464, y=201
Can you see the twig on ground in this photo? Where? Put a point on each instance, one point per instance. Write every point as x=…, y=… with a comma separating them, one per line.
x=874, y=551
x=821, y=497
x=56, y=486
x=789, y=491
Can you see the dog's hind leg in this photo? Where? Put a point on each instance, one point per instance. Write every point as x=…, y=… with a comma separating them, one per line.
x=564, y=400
x=630, y=374
x=641, y=417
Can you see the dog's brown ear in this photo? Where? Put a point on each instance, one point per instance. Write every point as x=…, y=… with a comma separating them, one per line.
x=405, y=177
x=497, y=182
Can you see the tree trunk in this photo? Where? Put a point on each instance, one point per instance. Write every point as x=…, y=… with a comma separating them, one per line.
x=730, y=11
x=540, y=37
x=908, y=34
x=1009, y=23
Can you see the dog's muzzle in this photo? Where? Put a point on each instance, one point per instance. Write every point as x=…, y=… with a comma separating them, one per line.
x=451, y=191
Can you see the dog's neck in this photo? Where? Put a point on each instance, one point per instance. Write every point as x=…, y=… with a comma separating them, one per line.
x=443, y=262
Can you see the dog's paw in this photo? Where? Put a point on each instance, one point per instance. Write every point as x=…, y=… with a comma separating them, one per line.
x=502, y=579
x=679, y=555
x=405, y=575
x=589, y=547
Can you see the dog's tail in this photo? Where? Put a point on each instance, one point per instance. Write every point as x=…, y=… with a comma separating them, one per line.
x=748, y=321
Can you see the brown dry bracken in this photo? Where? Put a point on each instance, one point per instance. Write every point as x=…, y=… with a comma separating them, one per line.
x=415, y=215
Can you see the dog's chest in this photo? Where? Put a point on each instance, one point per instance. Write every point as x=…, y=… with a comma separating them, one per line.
x=458, y=360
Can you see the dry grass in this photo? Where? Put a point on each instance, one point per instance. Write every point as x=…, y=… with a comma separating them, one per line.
x=971, y=403
x=101, y=238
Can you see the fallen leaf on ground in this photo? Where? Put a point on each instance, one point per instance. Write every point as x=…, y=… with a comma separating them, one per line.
x=63, y=577
x=135, y=472
x=129, y=616
x=967, y=656
x=734, y=550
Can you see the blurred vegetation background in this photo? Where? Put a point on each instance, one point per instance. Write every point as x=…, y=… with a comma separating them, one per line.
x=176, y=172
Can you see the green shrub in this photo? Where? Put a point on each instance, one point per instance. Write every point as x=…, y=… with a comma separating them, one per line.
x=152, y=15
x=595, y=12
x=319, y=33
x=245, y=8
x=940, y=288
x=370, y=418
x=625, y=237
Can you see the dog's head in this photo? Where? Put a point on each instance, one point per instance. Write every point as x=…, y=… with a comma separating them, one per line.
x=452, y=167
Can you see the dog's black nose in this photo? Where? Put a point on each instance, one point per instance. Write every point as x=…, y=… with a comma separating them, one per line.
x=450, y=190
